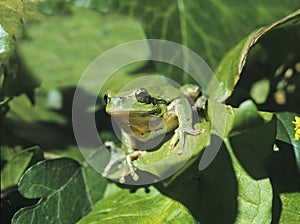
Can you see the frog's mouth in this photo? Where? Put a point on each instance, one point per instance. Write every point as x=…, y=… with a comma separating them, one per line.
x=138, y=110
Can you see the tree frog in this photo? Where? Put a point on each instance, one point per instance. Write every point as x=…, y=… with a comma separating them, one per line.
x=145, y=113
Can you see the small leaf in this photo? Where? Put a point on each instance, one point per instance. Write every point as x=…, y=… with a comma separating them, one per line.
x=67, y=190
x=286, y=132
x=13, y=170
x=246, y=117
x=260, y=90
x=139, y=207
x=221, y=116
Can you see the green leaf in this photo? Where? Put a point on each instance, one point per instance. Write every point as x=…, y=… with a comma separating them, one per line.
x=13, y=13
x=163, y=160
x=209, y=194
x=255, y=196
x=18, y=78
x=223, y=193
x=208, y=28
x=86, y=35
x=286, y=132
x=247, y=117
x=290, y=208
x=231, y=66
x=139, y=207
x=15, y=167
x=34, y=123
x=67, y=190
x=260, y=90
x=222, y=117
x=249, y=124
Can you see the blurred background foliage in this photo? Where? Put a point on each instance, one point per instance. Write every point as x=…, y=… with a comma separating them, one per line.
x=253, y=48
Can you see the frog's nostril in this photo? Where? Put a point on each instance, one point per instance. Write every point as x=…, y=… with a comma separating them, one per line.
x=106, y=98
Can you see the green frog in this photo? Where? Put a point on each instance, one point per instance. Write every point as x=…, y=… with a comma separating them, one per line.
x=145, y=113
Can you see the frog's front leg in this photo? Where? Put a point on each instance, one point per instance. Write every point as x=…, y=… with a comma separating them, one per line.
x=183, y=111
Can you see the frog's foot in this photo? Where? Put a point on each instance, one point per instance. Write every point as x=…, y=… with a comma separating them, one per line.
x=128, y=167
x=118, y=156
x=179, y=137
x=200, y=103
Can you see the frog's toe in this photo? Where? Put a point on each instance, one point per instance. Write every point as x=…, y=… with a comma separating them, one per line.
x=179, y=137
x=180, y=151
x=131, y=168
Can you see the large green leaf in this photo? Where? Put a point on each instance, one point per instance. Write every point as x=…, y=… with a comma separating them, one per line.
x=223, y=193
x=162, y=160
x=255, y=196
x=250, y=159
x=67, y=190
x=15, y=167
x=139, y=207
x=72, y=45
x=208, y=28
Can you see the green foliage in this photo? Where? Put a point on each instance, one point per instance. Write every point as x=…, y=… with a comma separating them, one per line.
x=56, y=182
x=16, y=163
x=138, y=207
x=253, y=49
x=290, y=213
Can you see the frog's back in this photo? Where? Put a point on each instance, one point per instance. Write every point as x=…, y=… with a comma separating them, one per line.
x=166, y=92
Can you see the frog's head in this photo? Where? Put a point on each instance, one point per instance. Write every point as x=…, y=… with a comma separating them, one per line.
x=136, y=103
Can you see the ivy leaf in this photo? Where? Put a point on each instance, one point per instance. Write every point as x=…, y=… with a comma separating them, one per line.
x=67, y=190
x=286, y=132
x=15, y=167
x=290, y=208
x=138, y=207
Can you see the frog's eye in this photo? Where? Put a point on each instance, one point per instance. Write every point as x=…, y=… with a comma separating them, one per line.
x=142, y=96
